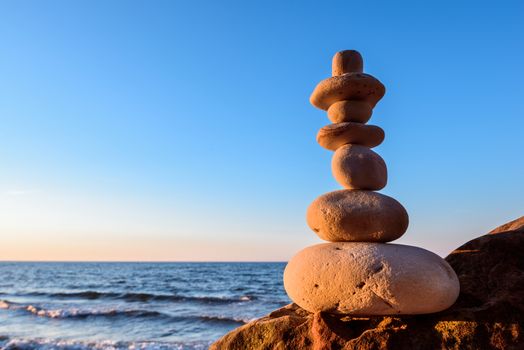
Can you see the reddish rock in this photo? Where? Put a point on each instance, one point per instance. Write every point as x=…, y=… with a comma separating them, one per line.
x=515, y=225
x=350, y=111
x=349, y=86
x=489, y=313
x=347, y=61
x=357, y=216
x=357, y=167
x=333, y=136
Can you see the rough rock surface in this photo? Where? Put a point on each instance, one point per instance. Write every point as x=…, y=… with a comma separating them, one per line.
x=366, y=279
x=489, y=313
x=333, y=136
x=359, y=168
x=354, y=215
x=515, y=225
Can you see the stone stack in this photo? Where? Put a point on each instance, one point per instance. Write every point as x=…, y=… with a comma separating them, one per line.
x=358, y=273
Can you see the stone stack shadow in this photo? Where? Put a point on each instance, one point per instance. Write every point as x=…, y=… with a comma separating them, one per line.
x=358, y=273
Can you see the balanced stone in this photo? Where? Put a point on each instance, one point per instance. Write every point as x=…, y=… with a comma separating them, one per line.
x=333, y=136
x=370, y=279
x=347, y=61
x=358, y=274
x=349, y=86
x=358, y=167
x=350, y=111
x=354, y=215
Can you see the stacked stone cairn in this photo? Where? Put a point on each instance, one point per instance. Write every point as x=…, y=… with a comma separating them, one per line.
x=358, y=273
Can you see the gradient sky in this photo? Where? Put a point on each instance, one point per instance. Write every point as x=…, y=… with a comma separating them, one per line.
x=181, y=130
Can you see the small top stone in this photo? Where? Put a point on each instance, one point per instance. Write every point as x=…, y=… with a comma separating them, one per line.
x=347, y=61
x=348, y=83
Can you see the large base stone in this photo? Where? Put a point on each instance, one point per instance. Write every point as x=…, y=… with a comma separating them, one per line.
x=370, y=279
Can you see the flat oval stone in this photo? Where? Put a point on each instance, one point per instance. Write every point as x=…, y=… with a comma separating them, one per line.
x=358, y=167
x=368, y=279
x=353, y=215
x=348, y=86
x=333, y=136
x=350, y=111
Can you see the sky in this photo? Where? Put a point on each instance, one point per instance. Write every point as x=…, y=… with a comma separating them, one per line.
x=182, y=130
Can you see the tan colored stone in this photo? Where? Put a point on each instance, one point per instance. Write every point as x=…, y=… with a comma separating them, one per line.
x=349, y=86
x=347, y=61
x=370, y=279
x=357, y=167
x=350, y=111
x=333, y=136
x=353, y=215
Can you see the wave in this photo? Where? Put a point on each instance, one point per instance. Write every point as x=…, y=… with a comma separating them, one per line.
x=74, y=313
x=79, y=313
x=214, y=319
x=221, y=319
x=4, y=304
x=143, y=297
x=7, y=343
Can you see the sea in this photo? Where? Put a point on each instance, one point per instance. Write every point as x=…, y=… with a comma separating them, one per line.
x=91, y=305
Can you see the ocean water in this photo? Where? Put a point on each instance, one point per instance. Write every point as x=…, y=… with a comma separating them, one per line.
x=132, y=305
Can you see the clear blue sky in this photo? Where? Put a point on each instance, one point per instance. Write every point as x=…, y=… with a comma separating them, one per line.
x=181, y=130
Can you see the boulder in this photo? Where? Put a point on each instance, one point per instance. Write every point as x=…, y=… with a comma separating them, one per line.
x=488, y=314
x=515, y=225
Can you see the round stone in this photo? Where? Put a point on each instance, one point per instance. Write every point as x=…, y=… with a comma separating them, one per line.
x=349, y=86
x=357, y=216
x=358, y=167
x=347, y=61
x=367, y=279
x=333, y=136
x=350, y=111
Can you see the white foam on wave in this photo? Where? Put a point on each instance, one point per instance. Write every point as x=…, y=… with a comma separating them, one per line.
x=7, y=305
x=77, y=312
x=57, y=344
x=58, y=313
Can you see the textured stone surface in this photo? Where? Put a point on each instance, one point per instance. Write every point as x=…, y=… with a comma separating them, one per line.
x=515, y=225
x=349, y=86
x=353, y=215
x=333, y=136
x=350, y=111
x=357, y=167
x=489, y=313
x=370, y=279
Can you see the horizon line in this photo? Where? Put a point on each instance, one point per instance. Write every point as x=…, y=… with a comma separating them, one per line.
x=143, y=261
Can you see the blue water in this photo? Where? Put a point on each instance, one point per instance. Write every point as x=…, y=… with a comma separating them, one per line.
x=132, y=305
